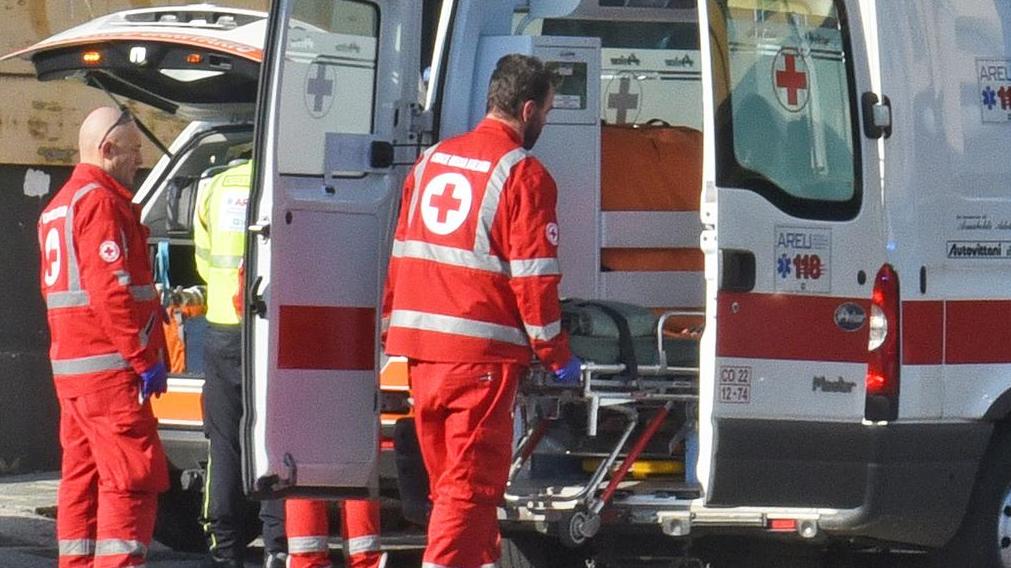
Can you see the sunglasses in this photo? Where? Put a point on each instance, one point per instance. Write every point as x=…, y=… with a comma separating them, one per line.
x=124, y=118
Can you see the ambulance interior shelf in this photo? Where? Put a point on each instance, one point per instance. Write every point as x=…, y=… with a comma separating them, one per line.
x=651, y=180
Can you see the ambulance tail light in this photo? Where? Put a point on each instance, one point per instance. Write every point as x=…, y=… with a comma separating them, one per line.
x=882, y=402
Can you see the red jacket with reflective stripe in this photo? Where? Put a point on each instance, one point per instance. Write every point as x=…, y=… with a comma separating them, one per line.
x=104, y=315
x=474, y=271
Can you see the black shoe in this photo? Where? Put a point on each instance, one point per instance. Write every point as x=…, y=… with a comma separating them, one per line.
x=275, y=559
x=214, y=562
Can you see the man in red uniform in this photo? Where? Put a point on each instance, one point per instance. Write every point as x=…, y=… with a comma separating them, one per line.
x=107, y=351
x=308, y=529
x=472, y=288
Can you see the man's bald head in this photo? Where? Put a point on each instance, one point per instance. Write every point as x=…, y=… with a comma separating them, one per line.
x=109, y=139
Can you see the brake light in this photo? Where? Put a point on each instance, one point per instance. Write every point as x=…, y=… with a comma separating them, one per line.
x=882, y=402
x=91, y=57
x=194, y=58
x=782, y=525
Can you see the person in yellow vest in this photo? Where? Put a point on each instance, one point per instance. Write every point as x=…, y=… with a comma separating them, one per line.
x=219, y=235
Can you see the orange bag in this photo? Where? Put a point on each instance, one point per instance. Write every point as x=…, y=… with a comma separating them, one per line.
x=179, y=310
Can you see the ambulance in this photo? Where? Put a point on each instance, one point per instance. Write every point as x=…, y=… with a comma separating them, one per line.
x=200, y=63
x=822, y=180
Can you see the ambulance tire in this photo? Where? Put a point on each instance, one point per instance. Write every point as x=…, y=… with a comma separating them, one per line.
x=529, y=550
x=984, y=538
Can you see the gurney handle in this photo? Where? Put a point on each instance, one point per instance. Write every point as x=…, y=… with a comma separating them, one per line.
x=661, y=353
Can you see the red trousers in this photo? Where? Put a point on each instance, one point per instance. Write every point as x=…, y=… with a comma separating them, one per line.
x=113, y=470
x=464, y=417
x=308, y=529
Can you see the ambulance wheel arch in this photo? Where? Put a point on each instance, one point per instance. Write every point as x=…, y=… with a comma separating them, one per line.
x=984, y=537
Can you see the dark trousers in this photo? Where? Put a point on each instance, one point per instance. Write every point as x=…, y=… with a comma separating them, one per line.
x=227, y=512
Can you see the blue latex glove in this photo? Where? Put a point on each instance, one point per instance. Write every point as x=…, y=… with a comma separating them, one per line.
x=154, y=381
x=570, y=373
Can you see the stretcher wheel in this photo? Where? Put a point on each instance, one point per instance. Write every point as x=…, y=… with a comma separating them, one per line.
x=576, y=528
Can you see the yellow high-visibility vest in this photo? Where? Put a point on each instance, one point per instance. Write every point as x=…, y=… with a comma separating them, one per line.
x=219, y=235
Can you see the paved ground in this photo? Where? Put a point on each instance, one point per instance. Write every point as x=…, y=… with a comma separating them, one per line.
x=28, y=534
x=27, y=540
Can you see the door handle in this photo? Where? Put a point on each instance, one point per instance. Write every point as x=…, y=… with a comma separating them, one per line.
x=737, y=270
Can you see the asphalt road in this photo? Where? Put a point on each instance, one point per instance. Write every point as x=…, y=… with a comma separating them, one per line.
x=27, y=540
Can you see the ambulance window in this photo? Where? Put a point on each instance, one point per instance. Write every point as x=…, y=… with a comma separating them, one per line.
x=649, y=70
x=331, y=56
x=784, y=99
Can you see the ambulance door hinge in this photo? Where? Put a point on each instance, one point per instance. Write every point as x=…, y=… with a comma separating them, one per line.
x=261, y=229
x=421, y=125
x=254, y=300
x=877, y=113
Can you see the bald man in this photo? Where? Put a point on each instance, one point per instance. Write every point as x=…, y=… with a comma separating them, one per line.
x=107, y=351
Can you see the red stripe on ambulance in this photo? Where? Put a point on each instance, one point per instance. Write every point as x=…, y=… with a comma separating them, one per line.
x=922, y=333
x=326, y=337
x=977, y=331
x=790, y=327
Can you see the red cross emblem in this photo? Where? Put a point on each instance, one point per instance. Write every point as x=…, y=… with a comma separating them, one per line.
x=790, y=78
x=108, y=251
x=446, y=202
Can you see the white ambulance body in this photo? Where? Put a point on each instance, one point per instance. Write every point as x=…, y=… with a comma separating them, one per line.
x=853, y=219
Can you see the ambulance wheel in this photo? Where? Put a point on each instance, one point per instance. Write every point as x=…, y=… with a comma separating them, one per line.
x=177, y=525
x=538, y=551
x=984, y=539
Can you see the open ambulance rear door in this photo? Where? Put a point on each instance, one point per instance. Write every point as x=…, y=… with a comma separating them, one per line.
x=795, y=250
x=339, y=78
x=197, y=62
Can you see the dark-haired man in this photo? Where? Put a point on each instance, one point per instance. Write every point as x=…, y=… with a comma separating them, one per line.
x=472, y=289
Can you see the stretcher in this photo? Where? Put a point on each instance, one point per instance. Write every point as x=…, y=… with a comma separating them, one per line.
x=646, y=402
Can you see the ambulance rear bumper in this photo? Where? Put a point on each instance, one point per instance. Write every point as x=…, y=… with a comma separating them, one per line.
x=917, y=483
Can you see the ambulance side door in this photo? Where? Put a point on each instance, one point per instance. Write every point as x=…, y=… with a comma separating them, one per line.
x=793, y=243
x=333, y=111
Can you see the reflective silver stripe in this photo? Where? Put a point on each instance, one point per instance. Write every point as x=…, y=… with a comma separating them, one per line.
x=78, y=547
x=363, y=544
x=459, y=326
x=419, y=172
x=143, y=293
x=80, y=298
x=123, y=277
x=204, y=254
x=534, y=267
x=50, y=216
x=58, y=300
x=449, y=255
x=544, y=332
x=95, y=364
x=73, y=271
x=115, y=546
x=304, y=544
x=492, y=194
x=225, y=261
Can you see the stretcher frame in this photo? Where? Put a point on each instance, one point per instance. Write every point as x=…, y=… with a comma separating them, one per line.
x=577, y=508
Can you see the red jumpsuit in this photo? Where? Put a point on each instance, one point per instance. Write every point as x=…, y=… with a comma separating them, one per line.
x=106, y=329
x=472, y=289
x=308, y=529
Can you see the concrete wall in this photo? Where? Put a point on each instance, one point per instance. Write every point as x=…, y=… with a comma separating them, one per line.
x=38, y=138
